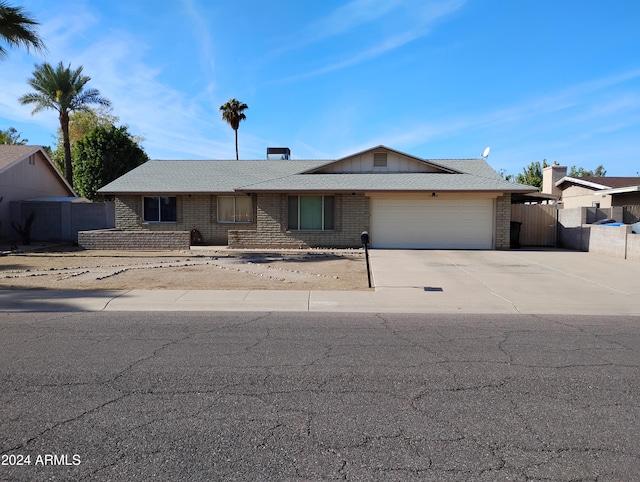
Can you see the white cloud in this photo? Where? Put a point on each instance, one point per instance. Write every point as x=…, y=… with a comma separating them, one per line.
x=398, y=27
x=578, y=97
x=201, y=31
x=171, y=121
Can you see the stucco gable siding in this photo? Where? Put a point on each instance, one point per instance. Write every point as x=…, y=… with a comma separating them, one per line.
x=30, y=177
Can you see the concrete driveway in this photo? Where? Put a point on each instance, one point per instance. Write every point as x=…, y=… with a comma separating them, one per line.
x=474, y=282
x=535, y=281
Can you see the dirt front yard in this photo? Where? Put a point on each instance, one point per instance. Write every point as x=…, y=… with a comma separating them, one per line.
x=70, y=268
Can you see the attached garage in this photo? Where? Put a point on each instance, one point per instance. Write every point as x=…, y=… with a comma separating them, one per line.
x=403, y=201
x=432, y=223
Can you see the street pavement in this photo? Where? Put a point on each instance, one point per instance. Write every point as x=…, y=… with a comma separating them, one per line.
x=516, y=281
x=129, y=396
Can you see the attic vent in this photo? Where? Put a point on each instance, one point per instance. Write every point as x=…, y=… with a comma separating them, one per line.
x=379, y=159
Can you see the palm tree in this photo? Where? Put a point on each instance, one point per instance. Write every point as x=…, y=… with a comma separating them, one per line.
x=61, y=89
x=232, y=112
x=17, y=29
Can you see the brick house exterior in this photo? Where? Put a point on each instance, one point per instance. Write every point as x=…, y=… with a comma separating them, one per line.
x=195, y=188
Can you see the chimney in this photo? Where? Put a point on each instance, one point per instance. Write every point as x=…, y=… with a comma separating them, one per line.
x=283, y=153
x=551, y=175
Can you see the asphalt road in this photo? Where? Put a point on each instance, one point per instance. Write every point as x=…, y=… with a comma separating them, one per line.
x=287, y=396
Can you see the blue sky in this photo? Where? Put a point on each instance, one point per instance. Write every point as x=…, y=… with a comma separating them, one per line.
x=533, y=79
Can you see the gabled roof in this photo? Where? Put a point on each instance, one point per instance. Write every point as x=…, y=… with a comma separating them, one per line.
x=11, y=154
x=468, y=175
x=378, y=149
x=224, y=176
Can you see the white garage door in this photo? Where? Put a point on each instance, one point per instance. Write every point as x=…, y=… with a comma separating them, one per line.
x=432, y=224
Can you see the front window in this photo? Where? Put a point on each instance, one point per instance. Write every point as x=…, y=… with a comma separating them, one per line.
x=235, y=209
x=311, y=213
x=159, y=209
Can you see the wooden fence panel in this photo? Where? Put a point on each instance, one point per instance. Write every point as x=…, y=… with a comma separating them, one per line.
x=538, y=223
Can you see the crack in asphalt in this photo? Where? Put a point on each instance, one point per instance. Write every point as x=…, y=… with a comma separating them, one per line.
x=327, y=395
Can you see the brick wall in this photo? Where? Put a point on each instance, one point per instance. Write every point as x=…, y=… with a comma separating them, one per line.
x=193, y=211
x=352, y=212
x=269, y=229
x=141, y=240
x=128, y=211
x=503, y=222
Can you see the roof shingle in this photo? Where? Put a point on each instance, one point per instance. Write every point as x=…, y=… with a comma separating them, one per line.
x=223, y=176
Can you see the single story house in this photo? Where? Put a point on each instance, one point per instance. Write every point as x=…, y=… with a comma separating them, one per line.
x=403, y=201
x=590, y=191
x=26, y=172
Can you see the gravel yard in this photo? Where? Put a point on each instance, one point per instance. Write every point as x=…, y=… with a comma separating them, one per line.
x=202, y=269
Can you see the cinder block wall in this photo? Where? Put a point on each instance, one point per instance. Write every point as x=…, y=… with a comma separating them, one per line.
x=609, y=240
x=574, y=225
x=138, y=240
x=503, y=222
x=61, y=220
x=633, y=247
x=570, y=223
x=351, y=218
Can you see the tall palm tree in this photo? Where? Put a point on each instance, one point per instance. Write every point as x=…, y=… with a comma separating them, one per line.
x=17, y=29
x=62, y=89
x=233, y=114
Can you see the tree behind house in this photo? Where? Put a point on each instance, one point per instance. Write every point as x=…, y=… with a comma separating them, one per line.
x=599, y=171
x=12, y=136
x=80, y=124
x=532, y=174
x=103, y=155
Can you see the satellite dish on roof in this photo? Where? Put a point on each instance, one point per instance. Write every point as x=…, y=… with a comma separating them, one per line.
x=485, y=153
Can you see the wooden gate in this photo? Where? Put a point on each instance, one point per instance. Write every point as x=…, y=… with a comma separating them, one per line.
x=538, y=223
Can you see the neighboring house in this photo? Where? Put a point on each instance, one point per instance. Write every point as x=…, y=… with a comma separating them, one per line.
x=403, y=201
x=592, y=191
x=26, y=172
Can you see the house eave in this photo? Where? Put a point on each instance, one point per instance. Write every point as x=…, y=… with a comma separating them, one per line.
x=581, y=182
x=620, y=190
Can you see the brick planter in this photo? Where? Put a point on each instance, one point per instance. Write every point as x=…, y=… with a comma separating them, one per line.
x=116, y=239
